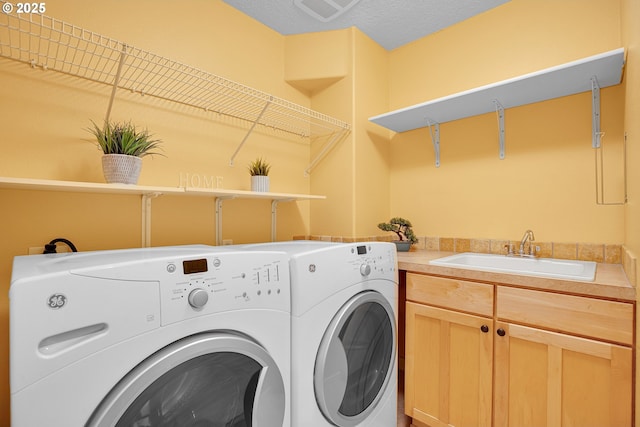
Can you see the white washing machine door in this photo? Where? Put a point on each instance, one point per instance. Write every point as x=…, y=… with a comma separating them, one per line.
x=356, y=359
x=206, y=380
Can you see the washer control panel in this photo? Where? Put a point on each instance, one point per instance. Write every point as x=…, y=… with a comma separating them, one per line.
x=198, y=298
x=365, y=269
x=226, y=281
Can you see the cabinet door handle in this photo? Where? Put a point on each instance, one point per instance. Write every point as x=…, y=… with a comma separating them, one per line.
x=484, y=328
x=501, y=332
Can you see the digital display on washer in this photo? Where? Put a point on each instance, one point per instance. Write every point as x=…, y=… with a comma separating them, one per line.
x=194, y=266
x=362, y=250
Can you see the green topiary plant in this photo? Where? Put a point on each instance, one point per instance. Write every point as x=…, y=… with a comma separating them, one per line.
x=401, y=227
x=259, y=167
x=124, y=138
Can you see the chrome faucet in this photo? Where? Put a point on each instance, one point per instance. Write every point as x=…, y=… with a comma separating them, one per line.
x=528, y=236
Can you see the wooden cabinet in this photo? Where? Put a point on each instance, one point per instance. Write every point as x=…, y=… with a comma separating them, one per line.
x=448, y=356
x=448, y=367
x=553, y=377
x=479, y=354
x=589, y=317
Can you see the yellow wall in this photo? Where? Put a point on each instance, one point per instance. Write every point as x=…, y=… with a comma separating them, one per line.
x=314, y=61
x=545, y=183
x=371, y=150
x=631, y=38
x=347, y=73
x=330, y=87
x=547, y=180
x=43, y=117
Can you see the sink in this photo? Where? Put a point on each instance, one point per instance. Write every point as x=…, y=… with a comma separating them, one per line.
x=544, y=267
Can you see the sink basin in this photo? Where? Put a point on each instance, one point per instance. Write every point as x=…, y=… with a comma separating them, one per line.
x=544, y=267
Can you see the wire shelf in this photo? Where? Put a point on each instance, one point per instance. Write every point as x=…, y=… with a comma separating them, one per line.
x=51, y=44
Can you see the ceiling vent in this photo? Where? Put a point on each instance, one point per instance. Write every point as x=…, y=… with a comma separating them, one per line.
x=325, y=10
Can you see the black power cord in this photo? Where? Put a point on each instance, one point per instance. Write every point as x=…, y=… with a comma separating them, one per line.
x=50, y=248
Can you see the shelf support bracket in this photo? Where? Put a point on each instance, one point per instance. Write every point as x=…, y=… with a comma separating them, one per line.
x=435, y=139
x=218, y=218
x=116, y=81
x=595, y=107
x=500, y=113
x=146, y=218
x=255, y=122
x=274, y=216
x=328, y=146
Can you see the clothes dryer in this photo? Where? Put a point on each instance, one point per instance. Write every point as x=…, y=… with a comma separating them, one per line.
x=343, y=324
x=190, y=336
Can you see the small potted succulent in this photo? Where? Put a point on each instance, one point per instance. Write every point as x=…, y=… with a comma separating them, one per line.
x=402, y=228
x=259, y=171
x=123, y=147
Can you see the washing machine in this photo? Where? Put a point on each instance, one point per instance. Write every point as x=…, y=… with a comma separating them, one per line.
x=190, y=336
x=343, y=326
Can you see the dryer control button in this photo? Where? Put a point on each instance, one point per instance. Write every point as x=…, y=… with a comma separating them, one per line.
x=365, y=269
x=198, y=298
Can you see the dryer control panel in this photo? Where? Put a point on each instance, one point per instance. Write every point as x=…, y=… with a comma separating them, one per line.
x=317, y=275
x=351, y=263
x=220, y=282
x=374, y=260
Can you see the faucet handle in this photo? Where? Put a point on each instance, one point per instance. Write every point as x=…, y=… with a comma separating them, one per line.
x=509, y=248
x=533, y=248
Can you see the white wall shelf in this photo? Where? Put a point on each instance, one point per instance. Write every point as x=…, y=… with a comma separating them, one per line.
x=574, y=77
x=84, y=187
x=148, y=193
x=221, y=195
x=50, y=44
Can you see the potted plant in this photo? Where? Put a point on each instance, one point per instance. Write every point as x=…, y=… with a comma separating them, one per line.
x=123, y=147
x=402, y=228
x=259, y=170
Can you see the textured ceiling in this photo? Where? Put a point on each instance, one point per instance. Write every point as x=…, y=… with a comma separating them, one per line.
x=391, y=23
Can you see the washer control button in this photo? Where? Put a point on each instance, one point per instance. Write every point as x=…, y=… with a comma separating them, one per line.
x=198, y=298
x=365, y=269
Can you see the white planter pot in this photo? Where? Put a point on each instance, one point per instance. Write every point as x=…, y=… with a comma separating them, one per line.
x=121, y=169
x=260, y=183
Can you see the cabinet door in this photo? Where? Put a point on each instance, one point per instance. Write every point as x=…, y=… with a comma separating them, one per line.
x=448, y=367
x=552, y=379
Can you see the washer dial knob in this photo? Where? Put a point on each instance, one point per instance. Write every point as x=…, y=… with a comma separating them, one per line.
x=365, y=269
x=198, y=298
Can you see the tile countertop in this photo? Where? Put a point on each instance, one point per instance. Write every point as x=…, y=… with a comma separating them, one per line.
x=610, y=282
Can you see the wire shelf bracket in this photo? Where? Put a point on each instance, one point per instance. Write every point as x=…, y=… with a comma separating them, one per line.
x=235, y=153
x=333, y=140
x=116, y=80
x=51, y=44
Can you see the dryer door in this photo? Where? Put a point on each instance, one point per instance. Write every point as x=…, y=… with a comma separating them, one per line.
x=207, y=380
x=356, y=359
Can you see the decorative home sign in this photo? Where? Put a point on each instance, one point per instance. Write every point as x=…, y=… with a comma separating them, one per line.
x=195, y=180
